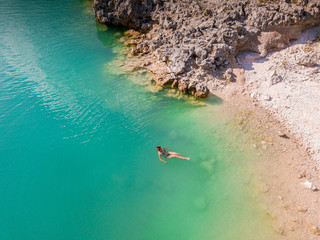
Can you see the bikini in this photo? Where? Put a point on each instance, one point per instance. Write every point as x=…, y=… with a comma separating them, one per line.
x=165, y=153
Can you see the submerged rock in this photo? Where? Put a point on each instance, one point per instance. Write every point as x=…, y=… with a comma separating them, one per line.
x=200, y=203
x=264, y=188
x=209, y=165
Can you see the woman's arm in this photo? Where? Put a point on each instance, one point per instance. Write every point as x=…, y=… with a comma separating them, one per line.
x=161, y=158
x=166, y=148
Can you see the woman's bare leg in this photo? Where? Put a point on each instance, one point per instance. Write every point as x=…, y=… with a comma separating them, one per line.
x=177, y=155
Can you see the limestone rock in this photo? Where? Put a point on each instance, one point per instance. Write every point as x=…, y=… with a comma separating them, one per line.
x=314, y=229
x=275, y=78
x=204, y=36
x=309, y=185
x=130, y=13
x=266, y=97
x=309, y=60
x=177, y=67
x=229, y=75
x=183, y=85
x=192, y=87
x=202, y=90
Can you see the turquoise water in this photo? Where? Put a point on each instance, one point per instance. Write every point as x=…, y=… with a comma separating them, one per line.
x=77, y=143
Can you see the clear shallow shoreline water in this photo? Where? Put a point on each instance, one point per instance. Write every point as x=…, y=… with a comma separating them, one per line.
x=77, y=143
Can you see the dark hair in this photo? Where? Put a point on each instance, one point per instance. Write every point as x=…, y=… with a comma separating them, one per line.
x=158, y=147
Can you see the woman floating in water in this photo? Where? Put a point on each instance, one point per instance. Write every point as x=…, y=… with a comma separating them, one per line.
x=162, y=152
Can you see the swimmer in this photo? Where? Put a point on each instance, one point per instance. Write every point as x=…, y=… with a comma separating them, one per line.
x=163, y=152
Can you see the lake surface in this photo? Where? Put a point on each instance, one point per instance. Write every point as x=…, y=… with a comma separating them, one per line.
x=77, y=142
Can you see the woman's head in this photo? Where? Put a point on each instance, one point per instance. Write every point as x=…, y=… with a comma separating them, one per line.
x=158, y=148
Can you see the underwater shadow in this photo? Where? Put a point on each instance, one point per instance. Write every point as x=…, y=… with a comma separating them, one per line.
x=109, y=36
x=187, y=100
x=214, y=100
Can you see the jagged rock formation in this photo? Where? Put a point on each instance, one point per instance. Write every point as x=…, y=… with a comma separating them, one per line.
x=195, y=42
x=129, y=13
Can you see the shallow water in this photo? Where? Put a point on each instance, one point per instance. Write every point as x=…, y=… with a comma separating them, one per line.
x=77, y=143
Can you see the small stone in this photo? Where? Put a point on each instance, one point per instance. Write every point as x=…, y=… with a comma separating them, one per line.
x=271, y=214
x=283, y=135
x=254, y=95
x=291, y=229
x=229, y=75
x=255, y=145
x=275, y=78
x=146, y=63
x=303, y=210
x=303, y=174
x=266, y=97
x=134, y=51
x=264, y=188
x=314, y=229
x=279, y=228
x=309, y=185
x=295, y=220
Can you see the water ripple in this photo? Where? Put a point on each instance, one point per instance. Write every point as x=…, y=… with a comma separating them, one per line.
x=23, y=73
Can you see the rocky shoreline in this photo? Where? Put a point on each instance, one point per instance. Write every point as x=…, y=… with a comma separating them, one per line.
x=287, y=83
x=192, y=45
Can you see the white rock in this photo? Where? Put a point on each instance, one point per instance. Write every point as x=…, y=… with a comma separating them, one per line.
x=266, y=97
x=254, y=95
x=309, y=185
x=275, y=78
